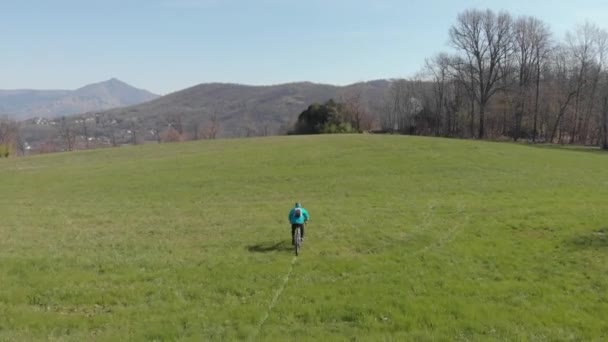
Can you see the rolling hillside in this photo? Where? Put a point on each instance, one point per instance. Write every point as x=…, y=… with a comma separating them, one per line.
x=240, y=107
x=411, y=239
x=238, y=110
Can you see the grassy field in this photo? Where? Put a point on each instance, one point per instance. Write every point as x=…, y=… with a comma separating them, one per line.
x=411, y=239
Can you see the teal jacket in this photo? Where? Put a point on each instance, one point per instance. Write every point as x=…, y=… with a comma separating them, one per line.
x=298, y=220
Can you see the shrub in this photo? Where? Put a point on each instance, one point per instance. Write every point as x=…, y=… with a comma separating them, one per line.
x=5, y=150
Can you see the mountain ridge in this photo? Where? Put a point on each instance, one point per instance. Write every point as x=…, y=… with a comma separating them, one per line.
x=227, y=109
x=239, y=107
x=21, y=104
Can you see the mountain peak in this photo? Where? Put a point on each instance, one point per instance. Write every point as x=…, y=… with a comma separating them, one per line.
x=112, y=80
x=105, y=95
x=115, y=80
x=115, y=87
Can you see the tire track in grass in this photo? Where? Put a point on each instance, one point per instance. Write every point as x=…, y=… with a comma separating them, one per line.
x=425, y=223
x=447, y=237
x=274, y=300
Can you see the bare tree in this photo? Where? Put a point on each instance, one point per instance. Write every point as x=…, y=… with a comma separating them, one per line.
x=156, y=134
x=67, y=133
x=524, y=38
x=604, y=124
x=175, y=121
x=212, y=128
x=581, y=45
x=248, y=126
x=171, y=135
x=602, y=43
x=438, y=70
x=85, y=132
x=485, y=41
x=194, y=127
x=564, y=85
x=356, y=112
x=9, y=135
x=400, y=108
x=542, y=49
x=133, y=127
x=109, y=126
x=22, y=145
x=463, y=75
x=264, y=128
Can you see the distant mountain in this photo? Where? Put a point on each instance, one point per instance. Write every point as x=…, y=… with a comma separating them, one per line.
x=24, y=104
x=242, y=109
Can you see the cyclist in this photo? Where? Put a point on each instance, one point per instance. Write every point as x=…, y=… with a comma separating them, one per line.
x=298, y=216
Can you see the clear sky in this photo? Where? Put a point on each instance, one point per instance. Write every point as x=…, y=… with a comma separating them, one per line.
x=168, y=45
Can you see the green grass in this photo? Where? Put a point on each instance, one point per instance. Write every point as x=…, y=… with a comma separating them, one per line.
x=411, y=239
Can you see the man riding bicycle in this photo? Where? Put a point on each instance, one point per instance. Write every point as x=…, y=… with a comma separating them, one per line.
x=297, y=217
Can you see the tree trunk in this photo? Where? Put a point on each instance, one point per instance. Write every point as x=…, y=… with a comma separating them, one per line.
x=519, y=114
x=536, y=101
x=575, y=121
x=482, y=109
x=504, y=123
x=86, y=133
x=472, y=118
x=557, y=124
x=604, y=133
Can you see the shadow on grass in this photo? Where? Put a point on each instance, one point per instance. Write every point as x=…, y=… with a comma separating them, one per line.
x=598, y=238
x=571, y=148
x=270, y=247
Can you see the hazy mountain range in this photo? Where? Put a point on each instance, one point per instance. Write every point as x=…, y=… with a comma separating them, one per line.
x=24, y=104
x=238, y=110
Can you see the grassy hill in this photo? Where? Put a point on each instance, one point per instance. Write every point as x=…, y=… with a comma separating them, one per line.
x=411, y=239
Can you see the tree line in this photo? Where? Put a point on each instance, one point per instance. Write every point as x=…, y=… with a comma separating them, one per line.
x=509, y=78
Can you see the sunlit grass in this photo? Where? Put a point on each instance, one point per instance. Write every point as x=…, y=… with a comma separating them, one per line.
x=410, y=239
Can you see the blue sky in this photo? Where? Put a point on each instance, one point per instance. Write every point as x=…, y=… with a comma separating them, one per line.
x=168, y=45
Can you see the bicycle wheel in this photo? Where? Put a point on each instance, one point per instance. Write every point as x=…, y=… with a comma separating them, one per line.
x=298, y=240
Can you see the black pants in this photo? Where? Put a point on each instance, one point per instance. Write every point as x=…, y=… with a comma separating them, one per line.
x=293, y=230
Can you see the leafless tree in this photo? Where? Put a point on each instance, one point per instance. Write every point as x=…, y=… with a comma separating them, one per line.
x=194, y=127
x=563, y=84
x=133, y=127
x=212, y=128
x=524, y=38
x=175, y=120
x=9, y=135
x=485, y=41
x=356, y=111
x=604, y=124
x=438, y=70
x=264, y=128
x=109, y=124
x=67, y=133
x=541, y=48
x=248, y=126
x=85, y=132
x=463, y=76
x=171, y=135
x=400, y=108
x=583, y=50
